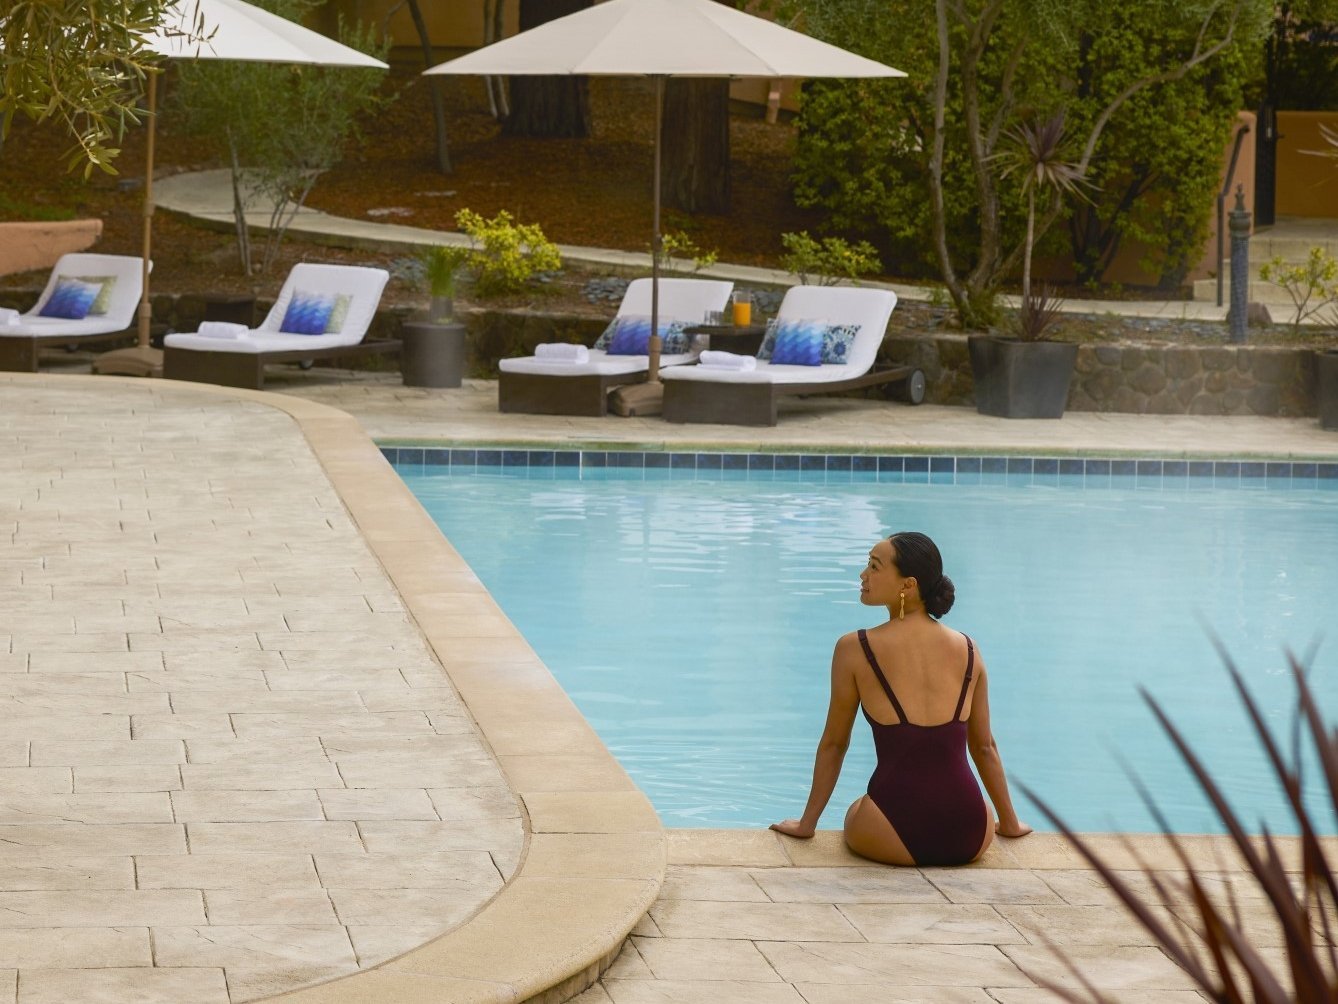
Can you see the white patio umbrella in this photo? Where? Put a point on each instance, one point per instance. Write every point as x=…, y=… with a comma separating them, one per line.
x=215, y=29
x=659, y=39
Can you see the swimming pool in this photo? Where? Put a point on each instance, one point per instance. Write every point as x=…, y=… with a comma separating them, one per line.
x=689, y=608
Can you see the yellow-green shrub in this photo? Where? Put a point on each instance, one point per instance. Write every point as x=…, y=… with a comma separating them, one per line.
x=506, y=254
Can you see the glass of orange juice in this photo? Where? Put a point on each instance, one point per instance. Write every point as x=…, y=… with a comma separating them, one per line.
x=742, y=302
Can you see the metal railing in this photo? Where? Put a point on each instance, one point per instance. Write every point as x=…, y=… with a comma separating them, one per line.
x=1221, y=207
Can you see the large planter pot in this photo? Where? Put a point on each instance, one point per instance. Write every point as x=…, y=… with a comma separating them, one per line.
x=1326, y=388
x=1017, y=379
x=433, y=354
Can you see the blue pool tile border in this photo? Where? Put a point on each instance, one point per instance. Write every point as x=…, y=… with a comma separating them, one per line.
x=917, y=468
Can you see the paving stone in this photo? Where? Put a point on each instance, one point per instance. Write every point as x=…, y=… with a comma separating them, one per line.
x=676, y=991
x=74, y=947
x=808, y=922
x=151, y=777
x=275, y=837
x=101, y=753
x=443, y=870
x=252, y=945
x=143, y=985
x=1107, y=967
x=984, y=885
x=894, y=965
x=698, y=882
x=704, y=959
x=226, y=871
x=376, y=803
x=378, y=944
x=245, y=806
x=846, y=885
x=922, y=923
x=274, y=905
x=101, y=907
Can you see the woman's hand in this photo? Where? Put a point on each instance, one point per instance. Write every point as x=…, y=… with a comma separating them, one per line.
x=794, y=828
x=1016, y=829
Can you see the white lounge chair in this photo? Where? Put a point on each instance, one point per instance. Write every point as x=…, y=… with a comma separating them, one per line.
x=110, y=312
x=750, y=396
x=547, y=387
x=337, y=301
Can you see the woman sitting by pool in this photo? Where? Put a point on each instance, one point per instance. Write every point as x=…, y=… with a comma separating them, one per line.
x=924, y=806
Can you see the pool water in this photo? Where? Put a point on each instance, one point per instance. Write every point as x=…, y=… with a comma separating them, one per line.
x=692, y=622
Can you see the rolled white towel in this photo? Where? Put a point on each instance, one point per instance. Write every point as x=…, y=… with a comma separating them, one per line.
x=222, y=329
x=9, y=316
x=727, y=361
x=562, y=352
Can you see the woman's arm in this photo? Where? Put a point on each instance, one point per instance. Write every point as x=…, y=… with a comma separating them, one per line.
x=980, y=741
x=833, y=744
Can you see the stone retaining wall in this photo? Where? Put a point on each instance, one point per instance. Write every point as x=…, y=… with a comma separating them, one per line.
x=1141, y=378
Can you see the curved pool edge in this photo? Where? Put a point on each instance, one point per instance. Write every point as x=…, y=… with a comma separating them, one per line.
x=595, y=853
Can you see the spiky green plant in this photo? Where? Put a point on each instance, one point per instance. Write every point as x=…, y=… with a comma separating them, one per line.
x=1037, y=153
x=1217, y=953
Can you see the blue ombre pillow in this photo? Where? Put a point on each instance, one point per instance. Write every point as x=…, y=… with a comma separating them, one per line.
x=308, y=313
x=798, y=343
x=631, y=337
x=71, y=300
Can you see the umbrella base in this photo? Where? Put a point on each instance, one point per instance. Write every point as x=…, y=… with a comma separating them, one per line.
x=637, y=400
x=137, y=361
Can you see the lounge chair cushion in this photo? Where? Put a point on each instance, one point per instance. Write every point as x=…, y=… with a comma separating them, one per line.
x=308, y=313
x=72, y=299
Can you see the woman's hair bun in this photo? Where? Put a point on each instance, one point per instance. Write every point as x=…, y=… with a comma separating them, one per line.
x=940, y=599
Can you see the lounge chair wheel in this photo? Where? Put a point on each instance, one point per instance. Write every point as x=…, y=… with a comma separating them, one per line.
x=305, y=364
x=911, y=389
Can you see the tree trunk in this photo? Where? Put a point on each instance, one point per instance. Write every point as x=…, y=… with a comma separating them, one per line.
x=434, y=84
x=695, y=145
x=548, y=106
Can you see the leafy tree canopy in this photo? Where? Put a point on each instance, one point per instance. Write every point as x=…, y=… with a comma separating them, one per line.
x=80, y=63
x=1149, y=89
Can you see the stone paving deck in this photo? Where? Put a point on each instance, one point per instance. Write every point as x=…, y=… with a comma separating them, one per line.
x=237, y=758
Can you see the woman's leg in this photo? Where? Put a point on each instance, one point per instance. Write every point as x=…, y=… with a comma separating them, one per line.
x=870, y=835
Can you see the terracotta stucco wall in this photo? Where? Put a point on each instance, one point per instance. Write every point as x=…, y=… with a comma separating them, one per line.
x=1307, y=185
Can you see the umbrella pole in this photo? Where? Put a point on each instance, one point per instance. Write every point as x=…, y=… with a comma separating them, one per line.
x=648, y=398
x=142, y=360
x=145, y=308
x=653, y=371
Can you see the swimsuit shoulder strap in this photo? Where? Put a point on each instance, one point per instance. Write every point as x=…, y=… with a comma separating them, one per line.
x=966, y=683
x=878, y=672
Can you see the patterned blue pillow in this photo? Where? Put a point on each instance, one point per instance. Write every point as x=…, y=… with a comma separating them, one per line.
x=602, y=342
x=631, y=337
x=71, y=300
x=308, y=313
x=836, y=342
x=768, y=341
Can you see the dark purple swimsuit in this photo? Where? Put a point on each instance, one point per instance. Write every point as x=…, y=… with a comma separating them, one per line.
x=922, y=783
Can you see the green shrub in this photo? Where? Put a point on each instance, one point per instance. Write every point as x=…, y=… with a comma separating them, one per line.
x=676, y=243
x=828, y=261
x=1312, y=286
x=506, y=255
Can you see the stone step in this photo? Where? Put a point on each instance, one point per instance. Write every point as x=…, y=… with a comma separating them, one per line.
x=1293, y=249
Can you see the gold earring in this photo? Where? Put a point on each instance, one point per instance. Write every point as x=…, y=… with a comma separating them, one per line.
x=901, y=614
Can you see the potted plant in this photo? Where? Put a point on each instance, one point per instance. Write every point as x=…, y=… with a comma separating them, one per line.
x=1326, y=387
x=434, y=345
x=1027, y=375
